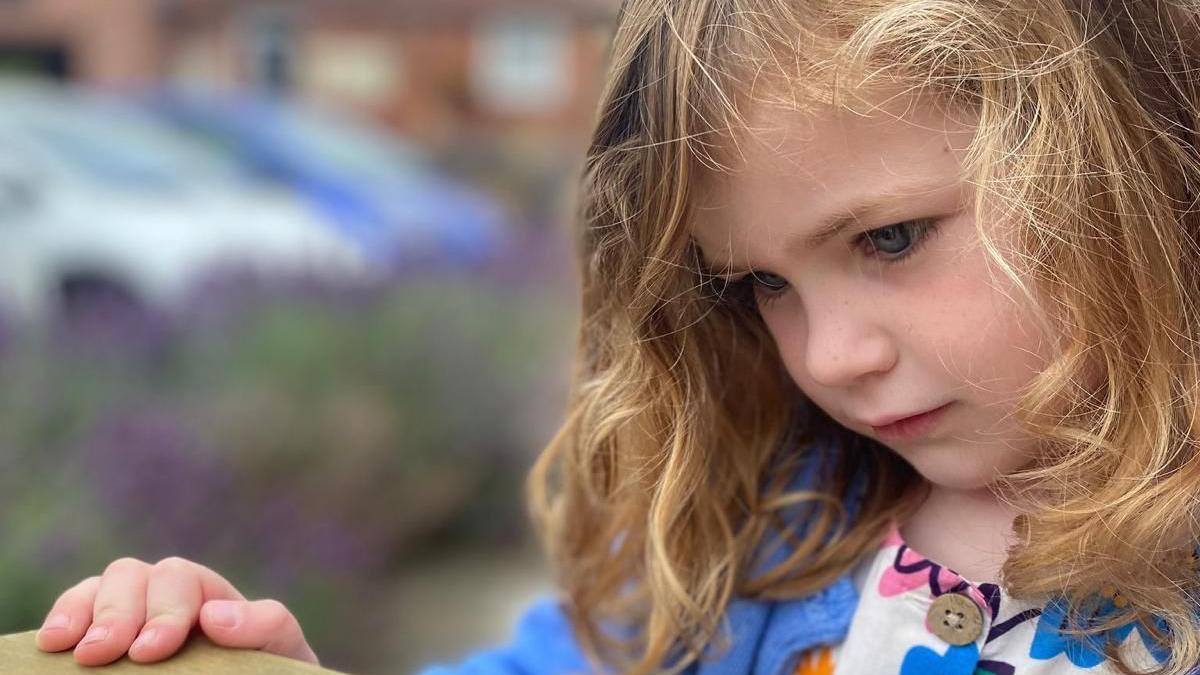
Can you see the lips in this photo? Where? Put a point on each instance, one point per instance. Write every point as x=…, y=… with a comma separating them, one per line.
x=912, y=426
x=885, y=421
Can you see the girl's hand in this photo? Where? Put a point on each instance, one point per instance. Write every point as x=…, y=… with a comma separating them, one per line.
x=159, y=604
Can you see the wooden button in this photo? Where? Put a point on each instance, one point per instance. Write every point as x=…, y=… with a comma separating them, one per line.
x=955, y=618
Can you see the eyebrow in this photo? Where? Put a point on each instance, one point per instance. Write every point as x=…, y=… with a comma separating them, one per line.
x=840, y=220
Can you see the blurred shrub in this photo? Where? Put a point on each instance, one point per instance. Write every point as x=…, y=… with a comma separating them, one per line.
x=304, y=440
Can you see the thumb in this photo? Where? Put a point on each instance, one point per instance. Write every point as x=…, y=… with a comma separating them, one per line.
x=264, y=625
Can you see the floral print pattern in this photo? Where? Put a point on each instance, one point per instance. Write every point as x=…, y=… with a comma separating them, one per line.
x=890, y=634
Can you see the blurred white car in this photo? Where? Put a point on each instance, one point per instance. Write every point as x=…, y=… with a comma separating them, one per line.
x=93, y=193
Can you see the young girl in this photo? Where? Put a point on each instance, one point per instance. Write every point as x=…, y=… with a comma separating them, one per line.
x=889, y=359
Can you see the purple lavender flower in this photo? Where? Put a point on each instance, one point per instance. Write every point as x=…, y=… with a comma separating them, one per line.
x=157, y=479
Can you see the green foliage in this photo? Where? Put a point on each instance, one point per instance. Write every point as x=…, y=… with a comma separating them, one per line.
x=303, y=444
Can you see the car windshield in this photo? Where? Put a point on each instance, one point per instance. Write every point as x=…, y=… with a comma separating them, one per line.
x=109, y=145
x=357, y=150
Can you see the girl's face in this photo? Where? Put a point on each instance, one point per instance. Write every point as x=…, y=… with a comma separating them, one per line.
x=898, y=313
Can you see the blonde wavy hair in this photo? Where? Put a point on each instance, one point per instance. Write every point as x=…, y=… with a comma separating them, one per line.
x=671, y=469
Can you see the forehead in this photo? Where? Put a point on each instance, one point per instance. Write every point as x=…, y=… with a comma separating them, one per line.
x=787, y=172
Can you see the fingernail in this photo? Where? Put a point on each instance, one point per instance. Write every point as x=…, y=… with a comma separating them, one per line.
x=224, y=614
x=95, y=634
x=146, y=639
x=56, y=622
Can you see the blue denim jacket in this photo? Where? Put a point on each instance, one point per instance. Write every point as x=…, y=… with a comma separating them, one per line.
x=765, y=634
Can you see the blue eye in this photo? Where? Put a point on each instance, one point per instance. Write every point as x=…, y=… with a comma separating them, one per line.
x=768, y=287
x=890, y=245
x=745, y=290
x=768, y=282
x=896, y=242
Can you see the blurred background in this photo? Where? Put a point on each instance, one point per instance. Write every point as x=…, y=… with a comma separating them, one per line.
x=286, y=288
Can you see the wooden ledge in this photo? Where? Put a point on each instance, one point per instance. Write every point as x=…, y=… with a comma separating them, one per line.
x=198, y=656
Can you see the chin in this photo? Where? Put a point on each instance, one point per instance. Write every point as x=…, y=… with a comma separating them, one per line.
x=948, y=476
x=958, y=484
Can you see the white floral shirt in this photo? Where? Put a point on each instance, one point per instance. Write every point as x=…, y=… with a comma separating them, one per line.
x=904, y=626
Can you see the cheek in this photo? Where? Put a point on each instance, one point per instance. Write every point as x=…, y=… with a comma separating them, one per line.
x=959, y=323
x=985, y=333
x=790, y=334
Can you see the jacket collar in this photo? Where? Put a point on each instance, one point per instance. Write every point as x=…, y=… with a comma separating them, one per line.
x=766, y=634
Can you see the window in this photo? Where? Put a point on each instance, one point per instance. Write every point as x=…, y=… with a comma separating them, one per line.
x=522, y=63
x=270, y=49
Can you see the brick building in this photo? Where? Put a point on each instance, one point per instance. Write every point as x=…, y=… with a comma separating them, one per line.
x=428, y=67
x=502, y=90
x=417, y=63
x=103, y=41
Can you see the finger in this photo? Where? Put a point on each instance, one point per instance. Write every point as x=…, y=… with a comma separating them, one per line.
x=173, y=599
x=216, y=587
x=118, y=614
x=175, y=591
x=265, y=625
x=69, y=617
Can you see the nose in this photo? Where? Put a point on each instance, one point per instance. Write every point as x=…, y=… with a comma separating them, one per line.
x=845, y=344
